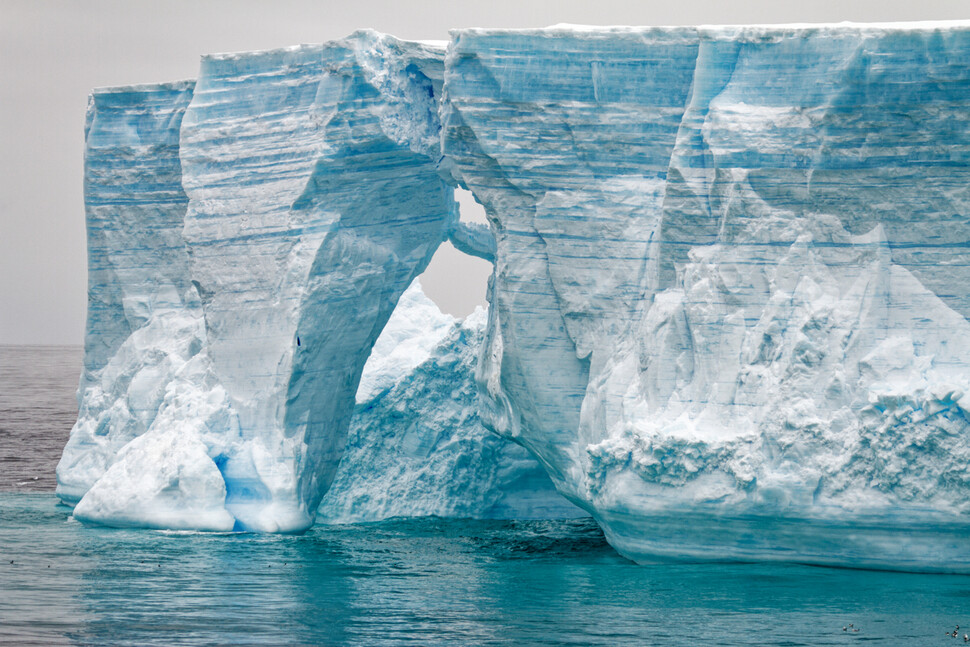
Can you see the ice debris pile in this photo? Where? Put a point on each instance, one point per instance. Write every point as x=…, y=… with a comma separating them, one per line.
x=729, y=309
x=416, y=446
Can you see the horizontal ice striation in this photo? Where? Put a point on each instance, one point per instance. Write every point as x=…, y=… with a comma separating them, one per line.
x=416, y=446
x=314, y=201
x=731, y=288
x=150, y=413
x=572, y=164
x=144, y=316
x=728, y=314
x=249, y=241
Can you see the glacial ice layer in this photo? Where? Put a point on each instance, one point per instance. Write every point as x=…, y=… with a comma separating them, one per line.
x=732, y=281
x=249, y=238
x=729, y=308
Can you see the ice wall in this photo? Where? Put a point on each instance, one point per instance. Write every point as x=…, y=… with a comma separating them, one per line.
x=314, y=201
x=144, y=315
x=263, y=226
x=731, y=288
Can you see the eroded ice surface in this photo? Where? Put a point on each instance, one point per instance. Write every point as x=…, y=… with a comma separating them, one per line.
x=732, y=280
x=249, y=239
x=416, y=446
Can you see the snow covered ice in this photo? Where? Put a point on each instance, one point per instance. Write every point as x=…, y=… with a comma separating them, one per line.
x=728, y=315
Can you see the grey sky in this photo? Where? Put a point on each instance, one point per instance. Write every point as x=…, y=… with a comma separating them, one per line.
x=53, y=53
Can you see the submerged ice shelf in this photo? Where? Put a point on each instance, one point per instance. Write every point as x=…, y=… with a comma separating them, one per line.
x=728, y=315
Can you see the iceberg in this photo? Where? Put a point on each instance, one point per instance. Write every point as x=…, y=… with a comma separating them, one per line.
x=728, y=315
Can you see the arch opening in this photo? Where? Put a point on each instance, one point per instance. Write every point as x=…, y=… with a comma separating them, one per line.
x=455, y=281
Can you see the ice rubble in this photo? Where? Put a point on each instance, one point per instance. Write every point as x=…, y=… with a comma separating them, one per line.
x=731, y=288
x=416, y=446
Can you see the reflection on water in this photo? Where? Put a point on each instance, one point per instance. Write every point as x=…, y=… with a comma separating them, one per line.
x=429, y=582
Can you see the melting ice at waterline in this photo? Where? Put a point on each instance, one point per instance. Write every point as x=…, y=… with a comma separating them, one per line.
x=727, y=316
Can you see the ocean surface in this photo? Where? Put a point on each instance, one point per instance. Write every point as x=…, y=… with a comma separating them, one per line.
x=38, y=407
x=399, y=582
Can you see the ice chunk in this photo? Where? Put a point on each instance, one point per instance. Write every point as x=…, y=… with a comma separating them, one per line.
x=163, y=479
x=417, y=447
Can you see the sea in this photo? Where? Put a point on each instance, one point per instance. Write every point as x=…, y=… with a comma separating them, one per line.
x=399, y=582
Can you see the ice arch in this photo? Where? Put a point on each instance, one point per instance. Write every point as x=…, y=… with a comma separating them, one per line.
x=306, y=199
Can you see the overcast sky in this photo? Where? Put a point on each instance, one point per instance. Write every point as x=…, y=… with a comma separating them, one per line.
x=53, y=53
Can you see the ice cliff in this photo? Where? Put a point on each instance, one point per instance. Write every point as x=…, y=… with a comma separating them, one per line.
x=732, y=280
x=296, y=196
x=728, y=314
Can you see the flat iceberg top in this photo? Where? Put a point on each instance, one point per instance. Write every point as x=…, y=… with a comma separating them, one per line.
x=436, y=45
x=144, y=88
x=754, y=33
x=562, y=29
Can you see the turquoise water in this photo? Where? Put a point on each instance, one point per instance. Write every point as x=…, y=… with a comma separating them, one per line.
x=430, y=582
x=403, y=582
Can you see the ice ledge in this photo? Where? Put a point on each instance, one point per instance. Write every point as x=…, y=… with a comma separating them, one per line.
x=932, y=543
x=473, y=239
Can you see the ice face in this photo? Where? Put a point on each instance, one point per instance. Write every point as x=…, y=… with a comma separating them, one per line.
x=292, y=197
x=144, y=315
x=416, y=446
x=314, y=201
x=731, y=287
